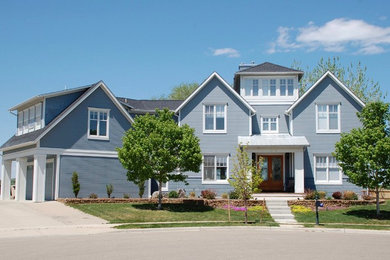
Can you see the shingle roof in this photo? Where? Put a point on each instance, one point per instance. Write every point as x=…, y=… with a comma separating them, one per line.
x=21, y=139
x=270, y=67
x=150, y=105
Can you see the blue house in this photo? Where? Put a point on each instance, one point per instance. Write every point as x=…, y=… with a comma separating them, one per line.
x=78, y=130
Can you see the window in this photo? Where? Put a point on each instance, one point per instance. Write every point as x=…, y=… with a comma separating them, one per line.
x=265, y=87
x=282, y=87
x=327, y=170
x=269, y=124
x=215, y=168
x=328, y=118
x=290, y=87
x=272, y=87
x=30, y=119
x=98, y=123
x=214, y=118
x=255, y=87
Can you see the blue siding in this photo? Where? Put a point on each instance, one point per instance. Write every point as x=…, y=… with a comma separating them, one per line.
x=71, y=132
x=270, y=110
x=55, y=105
x=304, y=124
x=94, y=174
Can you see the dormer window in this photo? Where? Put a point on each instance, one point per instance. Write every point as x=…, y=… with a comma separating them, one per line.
x=271, y=88
x=30, y=119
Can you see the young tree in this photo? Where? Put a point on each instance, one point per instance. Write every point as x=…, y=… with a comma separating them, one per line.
x=246, y=177
x=156, y=146
x=109, y=190
x=364, y=153
x=353, y=76
x=75, y=183
x=141, y=188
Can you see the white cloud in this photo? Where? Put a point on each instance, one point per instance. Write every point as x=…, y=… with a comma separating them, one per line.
x=337, y=35
x=230, y=52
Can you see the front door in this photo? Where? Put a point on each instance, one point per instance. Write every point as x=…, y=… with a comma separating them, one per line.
x=272, y=172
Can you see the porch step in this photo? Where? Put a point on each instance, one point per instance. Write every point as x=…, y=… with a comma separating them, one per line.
x=279, y=210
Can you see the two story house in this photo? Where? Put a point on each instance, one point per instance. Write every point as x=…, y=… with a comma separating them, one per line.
x=79, y=129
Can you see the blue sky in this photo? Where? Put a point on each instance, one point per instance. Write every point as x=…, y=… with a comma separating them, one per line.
x=141, y=49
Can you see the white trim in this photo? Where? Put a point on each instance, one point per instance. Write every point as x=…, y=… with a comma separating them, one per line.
x=329, y=131
x=149, y=188
x=17, y=146
x=291, y=116
x=215, y=74
x=215, y=131
x=292, y=73
x=179, y=119
x=58, y=151
x=215, y=168
x=269, y=102
x=338, y=82
x=98, y=136
x=250, y=124
x=327, y=182
x=57, y=174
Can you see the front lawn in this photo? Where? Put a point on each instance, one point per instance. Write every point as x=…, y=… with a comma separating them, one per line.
x=353, y=217
x=146, y=213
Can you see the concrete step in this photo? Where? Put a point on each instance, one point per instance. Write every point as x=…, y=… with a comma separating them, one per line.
x=282, y=216
x=286, y=221
x=279, y=211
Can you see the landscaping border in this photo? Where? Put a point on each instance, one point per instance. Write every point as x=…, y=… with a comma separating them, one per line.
x=333, y=203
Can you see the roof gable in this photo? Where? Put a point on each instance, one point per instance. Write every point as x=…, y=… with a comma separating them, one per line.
x=224, y=83
x=317, y=83
x=267, y=68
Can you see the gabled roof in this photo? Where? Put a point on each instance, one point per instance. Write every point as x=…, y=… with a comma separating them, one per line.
x=224, y=83
x=335, y=79
x=34, y=137
x=270, y=68
x=149, y=105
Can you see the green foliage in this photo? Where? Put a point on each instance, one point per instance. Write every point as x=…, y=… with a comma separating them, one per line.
x=75, y=184
x=257, y=208
x=109, y=190
x=337, y=195
x=321, y=194
x=181, y=91
x=233, y=195
x=246, y=176
x=310, y=194
x=156, y=146
x=93, y=196
x=208, y=194
x=300, y=209
x=192, y=194
x=364, y=153
x=349, y=195
x=173, y=194
x=224, y=195
x=353, y=76
x=126, y=195
x=141, y=188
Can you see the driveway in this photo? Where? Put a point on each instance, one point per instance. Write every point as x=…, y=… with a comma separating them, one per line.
x=29, y=219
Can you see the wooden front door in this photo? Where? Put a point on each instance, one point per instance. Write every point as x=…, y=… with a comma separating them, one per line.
x=272, y=172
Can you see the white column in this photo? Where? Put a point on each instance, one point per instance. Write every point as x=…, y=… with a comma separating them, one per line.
x=299, y=180
x=20, y=178
x=57, y=174
x=6, y=167
x=39, y=178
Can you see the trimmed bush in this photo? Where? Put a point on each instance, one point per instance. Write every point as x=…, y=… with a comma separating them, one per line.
x=208, y=194
x=75, y=184
x=321, y=194
x=225, y=195
x=310, y=194
x=126, y=196
x=337, y=195
x=192, y=194
x=349, y=195
x=173, y=194
x=233, y=195
x=300, y=209
x=93, y=196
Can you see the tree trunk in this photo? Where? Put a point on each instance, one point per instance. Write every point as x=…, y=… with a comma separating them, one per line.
x=377, y=201
x=159, y=194
x=246, y=211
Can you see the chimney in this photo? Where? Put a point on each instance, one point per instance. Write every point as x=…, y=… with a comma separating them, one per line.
x=244, y=66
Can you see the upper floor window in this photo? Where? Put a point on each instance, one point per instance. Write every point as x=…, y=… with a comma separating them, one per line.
x=328, y=118
x=215, y=169
x=268, y=87
x=327, y=170
x=265, y=87
x=290, y=87
x=269, y=124
x=98, y=123
x=214, y=118
x=30, y=119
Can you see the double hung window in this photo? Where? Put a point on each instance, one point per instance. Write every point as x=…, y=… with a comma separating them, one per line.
x=215, y=168
x=214, y=118
x=327, y=170
x=98, y=123
x=328, y=118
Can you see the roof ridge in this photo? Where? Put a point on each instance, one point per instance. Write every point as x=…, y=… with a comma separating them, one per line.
x=270, y=63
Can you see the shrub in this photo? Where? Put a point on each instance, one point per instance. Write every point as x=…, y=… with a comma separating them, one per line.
x=173, y=194
x=233, y=195
x=367, y=197
x=321, y=194
x=141, y=189
x=109, y=190
x=208, y=194
x=349, y=195
x=256, y=208
x=329, y=198
x=182, y=193
x=300, y=209
x=310, y=194
x=225, y=195
x=126, y=196
x=75, y=183
x=192, y=194
x=337, y=195
x=93, y=196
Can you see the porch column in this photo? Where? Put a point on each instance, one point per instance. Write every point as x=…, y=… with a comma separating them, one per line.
x=39, y=178
x=6, y=167
x=20, y=179
x=299, y=181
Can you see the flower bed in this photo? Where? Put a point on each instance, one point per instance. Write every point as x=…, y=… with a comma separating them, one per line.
x=332, y=204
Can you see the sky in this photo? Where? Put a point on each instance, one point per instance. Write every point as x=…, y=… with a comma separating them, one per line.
x=141, y=49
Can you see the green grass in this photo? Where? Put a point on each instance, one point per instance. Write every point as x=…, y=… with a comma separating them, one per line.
x=143, y=213
x=363, y=217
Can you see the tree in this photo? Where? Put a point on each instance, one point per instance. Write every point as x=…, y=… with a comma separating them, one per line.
x=75, y=184
x=181, y=91
x=364, y=153
x=353, y=76
x=141, y=188
x=246, y=177
x=109, y=190
x=156, y=146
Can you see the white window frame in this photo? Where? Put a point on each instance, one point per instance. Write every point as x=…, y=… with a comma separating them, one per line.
x=269, y=131
x=214, y=131
x=327, y=181
x=327, y=130
x=215, y=181
x=28, y=121
x=99, y=110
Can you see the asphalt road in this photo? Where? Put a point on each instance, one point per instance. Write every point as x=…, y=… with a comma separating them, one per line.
x=202, y=243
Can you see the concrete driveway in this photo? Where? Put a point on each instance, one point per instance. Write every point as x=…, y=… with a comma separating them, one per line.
x=29, y=219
